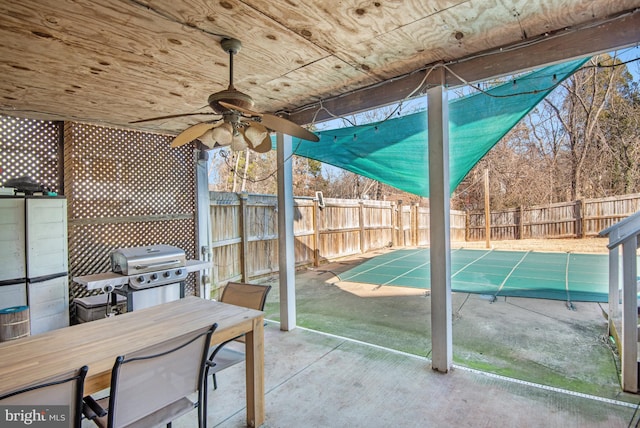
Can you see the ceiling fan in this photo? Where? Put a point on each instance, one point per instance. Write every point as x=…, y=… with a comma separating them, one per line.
x=238, y=127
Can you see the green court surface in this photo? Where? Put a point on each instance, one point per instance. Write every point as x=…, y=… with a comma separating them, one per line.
x=555, y=276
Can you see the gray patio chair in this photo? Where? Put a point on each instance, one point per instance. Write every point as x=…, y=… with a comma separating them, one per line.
x=153, y=386
x=252, y=296
x=64, y=390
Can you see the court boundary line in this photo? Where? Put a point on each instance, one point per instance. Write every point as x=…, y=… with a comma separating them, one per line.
x=486, y=253
x=383, y=264
x=501, y=286
x=420, y=250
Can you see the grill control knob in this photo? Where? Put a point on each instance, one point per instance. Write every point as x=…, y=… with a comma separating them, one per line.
x=140, y=279
x=167, y=274
x=179, y=272
x=154, y=276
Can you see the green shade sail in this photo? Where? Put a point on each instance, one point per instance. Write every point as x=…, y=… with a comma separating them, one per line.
x=395, y=151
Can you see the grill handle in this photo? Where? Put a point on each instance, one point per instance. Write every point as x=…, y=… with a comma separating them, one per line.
x=169, y=263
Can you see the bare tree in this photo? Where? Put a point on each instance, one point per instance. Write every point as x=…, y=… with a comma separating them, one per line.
x=546, y=139
x=588, y=93
x=257, y=172
x=581, y=141
x=619, y=141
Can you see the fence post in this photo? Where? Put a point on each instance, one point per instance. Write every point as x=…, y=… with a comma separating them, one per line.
x=361, y=221
x=316, y=233
x=400, y=225
x=520, y=222
x=414, y=224
x=583, y=217
x=244, y=228
x=427, y=227
x=487, y=210
x=467, y=223
x=578, y=219
x=394, y=224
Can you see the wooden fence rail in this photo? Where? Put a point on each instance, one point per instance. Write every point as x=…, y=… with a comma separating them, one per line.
x=577, y=219
x=245, y=237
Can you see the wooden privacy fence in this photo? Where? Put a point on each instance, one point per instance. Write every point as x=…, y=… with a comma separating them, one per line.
x=577, y=219
x=245, y=231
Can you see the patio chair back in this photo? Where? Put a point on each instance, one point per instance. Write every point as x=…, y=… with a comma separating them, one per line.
x=63, y=390
x=151, y=386
x=252, y=296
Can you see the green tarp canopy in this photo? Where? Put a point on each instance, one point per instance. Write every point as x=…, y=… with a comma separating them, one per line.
x=395, y=151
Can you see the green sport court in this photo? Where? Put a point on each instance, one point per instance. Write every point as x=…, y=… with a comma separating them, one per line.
x=556, y=276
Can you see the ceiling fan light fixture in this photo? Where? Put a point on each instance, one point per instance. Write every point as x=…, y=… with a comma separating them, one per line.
x=238, y=142
x=223, y=134
x=208, y=140
x=255, y=135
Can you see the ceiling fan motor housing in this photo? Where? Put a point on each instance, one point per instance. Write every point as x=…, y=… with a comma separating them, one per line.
x=231, y=96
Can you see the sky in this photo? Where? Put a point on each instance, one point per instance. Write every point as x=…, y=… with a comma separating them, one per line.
x=630, y=54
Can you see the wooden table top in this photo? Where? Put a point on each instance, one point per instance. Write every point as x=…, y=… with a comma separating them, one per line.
x=97, y=343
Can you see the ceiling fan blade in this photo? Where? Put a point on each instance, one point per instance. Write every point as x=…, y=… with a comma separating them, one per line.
x=191, y=133
x=287, y=127
x=171, y=116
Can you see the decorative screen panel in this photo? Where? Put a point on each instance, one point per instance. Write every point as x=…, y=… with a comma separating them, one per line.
x=29, y=148
x=126, y=189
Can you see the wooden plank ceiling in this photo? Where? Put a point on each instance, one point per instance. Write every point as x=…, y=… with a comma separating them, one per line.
x=112, y=62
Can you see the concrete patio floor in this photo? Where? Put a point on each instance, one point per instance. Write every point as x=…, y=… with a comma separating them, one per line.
x=519, y=362
x=360, y=358
x=318, y=380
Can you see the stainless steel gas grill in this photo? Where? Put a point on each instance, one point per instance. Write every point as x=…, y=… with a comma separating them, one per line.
x=149, y=267
x=147, y=276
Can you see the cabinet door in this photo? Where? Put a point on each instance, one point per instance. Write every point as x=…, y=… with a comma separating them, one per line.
x=12, y=253
x=46, y=235
x=13, y=295
x=49, y=304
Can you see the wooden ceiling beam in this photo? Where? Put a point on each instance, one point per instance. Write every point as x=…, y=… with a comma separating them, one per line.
x=564, y=45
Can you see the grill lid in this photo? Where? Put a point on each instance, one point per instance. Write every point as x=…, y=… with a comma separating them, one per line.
x=136, y=260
